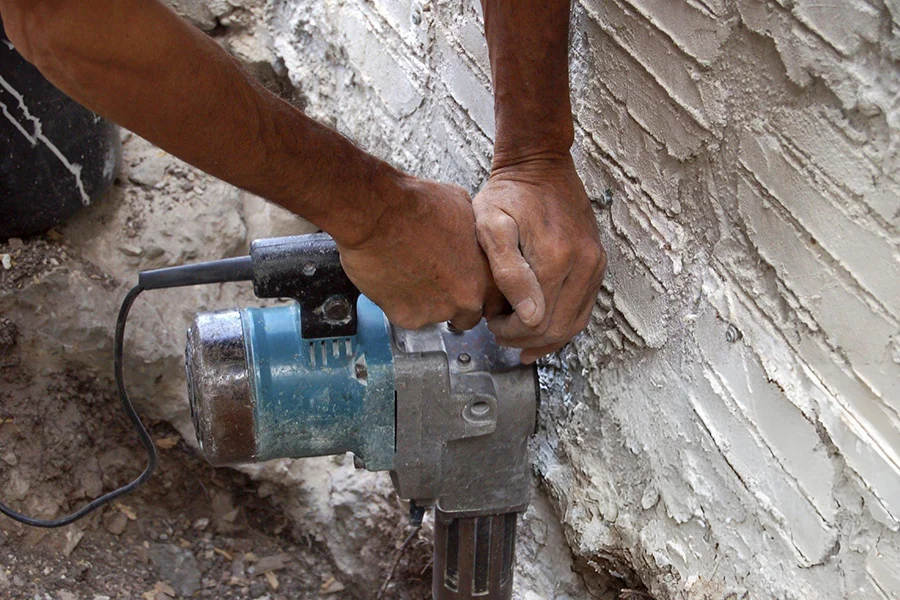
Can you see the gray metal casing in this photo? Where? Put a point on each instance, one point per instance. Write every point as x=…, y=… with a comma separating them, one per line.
x=465, y=410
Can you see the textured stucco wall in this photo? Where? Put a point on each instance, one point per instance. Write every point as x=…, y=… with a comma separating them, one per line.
x=750, y=150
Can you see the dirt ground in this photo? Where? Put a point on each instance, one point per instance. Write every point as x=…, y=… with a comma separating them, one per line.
x=192, y=531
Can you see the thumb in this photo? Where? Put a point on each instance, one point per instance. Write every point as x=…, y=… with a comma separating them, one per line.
x=498, y=235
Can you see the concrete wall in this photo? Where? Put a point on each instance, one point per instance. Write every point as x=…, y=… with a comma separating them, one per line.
x=729, y=425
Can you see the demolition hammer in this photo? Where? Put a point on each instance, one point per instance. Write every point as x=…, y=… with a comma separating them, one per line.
x=447, y=412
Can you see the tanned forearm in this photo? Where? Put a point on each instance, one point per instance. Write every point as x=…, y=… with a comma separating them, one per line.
x=140, y=65
x=533, y=216
x=528, y=45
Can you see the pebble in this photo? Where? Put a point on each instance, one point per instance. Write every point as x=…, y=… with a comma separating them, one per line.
x=148, y=173
x=178, y=566
x=16, y=243
x=201, y=524
x=116, y=523
x=272, y=563
x=6, y=261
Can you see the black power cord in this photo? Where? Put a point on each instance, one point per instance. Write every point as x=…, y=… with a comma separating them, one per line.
x=146, y=440
x=216, y=271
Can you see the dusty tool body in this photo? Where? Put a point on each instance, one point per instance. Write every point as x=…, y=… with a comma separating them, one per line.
x=448, y=413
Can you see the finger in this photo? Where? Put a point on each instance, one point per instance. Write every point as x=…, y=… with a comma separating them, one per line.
x=511, y=331
x=571, y=310
x=532, y=355
x=498, y=235
x=466, y=320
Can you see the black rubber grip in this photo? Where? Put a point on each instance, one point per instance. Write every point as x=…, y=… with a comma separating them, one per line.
x=216, y=271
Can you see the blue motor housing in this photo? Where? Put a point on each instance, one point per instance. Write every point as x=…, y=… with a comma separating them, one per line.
x=259, y=390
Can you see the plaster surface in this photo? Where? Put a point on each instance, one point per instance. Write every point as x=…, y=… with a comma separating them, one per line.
x=728, y=426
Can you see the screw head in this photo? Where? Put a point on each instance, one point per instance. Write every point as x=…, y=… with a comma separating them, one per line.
x=309, y=269
x=464, y=359
x=336, y=309
x=733, y=334
x=606, y=199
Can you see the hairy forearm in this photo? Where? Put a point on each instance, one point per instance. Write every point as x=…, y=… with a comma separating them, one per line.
x=138, y=64
x=528, y=45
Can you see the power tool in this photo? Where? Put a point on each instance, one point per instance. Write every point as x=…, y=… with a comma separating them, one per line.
x=447, y=412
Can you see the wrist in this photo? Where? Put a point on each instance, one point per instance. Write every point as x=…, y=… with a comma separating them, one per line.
x=383, y=193
x=548, y=142
x=526, y=163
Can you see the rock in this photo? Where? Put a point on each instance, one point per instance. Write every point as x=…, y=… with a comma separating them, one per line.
x=201, y=524
x=115, y=522
x=177, y=566
x=147, y=173
x=6, y=261
x=272, y=563
x=73, y=538
x=65, y=595
x=16, y=243
x=130, y=250
x=9, y=333
x=9, y=458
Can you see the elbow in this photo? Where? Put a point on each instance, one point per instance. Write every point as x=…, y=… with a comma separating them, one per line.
x=29, y=25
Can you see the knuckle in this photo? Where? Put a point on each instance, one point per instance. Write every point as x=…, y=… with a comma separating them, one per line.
x=493, y=223
x=406, y=318
x=469, y=301
x=559, y=255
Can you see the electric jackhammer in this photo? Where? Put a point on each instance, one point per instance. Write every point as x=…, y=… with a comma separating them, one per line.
x=448, y=413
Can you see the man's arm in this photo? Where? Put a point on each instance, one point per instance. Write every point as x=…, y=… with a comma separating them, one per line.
x=533, y=217
x=138, y=64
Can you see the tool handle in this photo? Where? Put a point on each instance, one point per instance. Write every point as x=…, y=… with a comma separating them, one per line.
x=307, y=268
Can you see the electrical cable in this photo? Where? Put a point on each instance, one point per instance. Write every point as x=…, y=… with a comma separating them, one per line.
x=146, y=440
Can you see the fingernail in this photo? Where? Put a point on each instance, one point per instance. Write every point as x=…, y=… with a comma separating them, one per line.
x=526, y=309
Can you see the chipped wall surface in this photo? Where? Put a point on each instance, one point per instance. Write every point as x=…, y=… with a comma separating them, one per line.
x=729, y=425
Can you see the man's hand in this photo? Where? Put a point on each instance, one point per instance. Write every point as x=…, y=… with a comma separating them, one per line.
x=534, y=221
x=421, y=262
x=534, y=218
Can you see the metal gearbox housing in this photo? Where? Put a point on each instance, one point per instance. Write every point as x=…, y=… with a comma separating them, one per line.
x=465, y=410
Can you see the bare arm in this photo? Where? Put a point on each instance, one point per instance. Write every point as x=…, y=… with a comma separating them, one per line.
x=138, y=64
x=534, y=218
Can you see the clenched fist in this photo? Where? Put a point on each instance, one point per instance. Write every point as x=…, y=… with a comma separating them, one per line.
x=535, y=223
x=421, y=263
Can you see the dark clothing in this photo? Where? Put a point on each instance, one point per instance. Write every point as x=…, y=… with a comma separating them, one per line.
x=55, y=156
